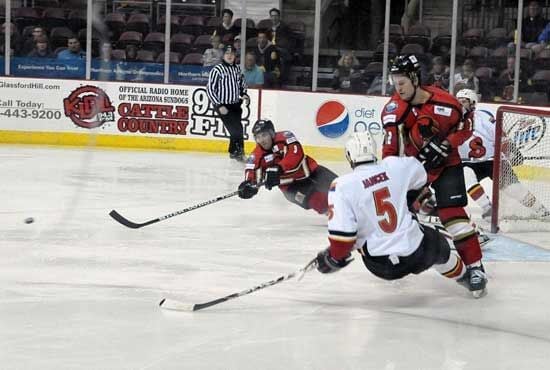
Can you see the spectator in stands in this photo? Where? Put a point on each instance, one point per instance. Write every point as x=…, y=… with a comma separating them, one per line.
x=227, y=26
x=213, y=55
x=347, y=77
x=41, y=49
x=30, y=44
x=544, y=37
x=505, y=82
x=237, y=46
x=268, y=57
x=467, y=76
x=106, y=52
x=73, y=51
x=281, y=34
x=253, y=74
x=15, y=40
x=131, y=52
x=533, y=24
x=439, y=75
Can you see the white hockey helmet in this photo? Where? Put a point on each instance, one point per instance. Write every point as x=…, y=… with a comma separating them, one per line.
x=360, y=148
x=468, y=94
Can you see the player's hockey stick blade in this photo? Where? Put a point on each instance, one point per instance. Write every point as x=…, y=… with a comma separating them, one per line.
x=174, y=305
x=124, y=221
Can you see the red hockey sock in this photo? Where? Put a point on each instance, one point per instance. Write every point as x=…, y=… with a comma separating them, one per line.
x=319, y=202
x=457, y=223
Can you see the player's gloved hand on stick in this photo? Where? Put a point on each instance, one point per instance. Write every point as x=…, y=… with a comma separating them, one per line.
x=247, y=190
x=272, y=177
x=222, y=109
x=327, y=264
x=434, y=153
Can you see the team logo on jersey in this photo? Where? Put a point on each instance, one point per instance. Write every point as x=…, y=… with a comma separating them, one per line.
x=89, y=107
x=527, y=132
x=391, y=107
x=332, y=119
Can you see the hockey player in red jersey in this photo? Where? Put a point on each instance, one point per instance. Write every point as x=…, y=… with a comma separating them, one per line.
x=368, y=213
x=428, y=123
x=279, y=160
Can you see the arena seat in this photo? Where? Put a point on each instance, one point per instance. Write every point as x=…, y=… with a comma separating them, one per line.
x=181, y=42
x=174, y=58
x=192, y=59
x=154, y=41
x=139, y=23
x=130, y=38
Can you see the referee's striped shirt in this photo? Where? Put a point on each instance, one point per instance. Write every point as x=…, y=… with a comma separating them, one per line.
x=226, y=84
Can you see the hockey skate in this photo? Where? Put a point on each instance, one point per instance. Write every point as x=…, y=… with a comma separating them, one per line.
x=487, y=215
x=475, y=281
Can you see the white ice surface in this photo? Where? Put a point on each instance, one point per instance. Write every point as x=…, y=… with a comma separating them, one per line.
x=79, y=291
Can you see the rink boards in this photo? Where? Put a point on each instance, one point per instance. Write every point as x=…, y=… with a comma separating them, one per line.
x=175, y=117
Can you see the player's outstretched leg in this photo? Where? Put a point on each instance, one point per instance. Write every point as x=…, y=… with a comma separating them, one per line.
x=467, y=245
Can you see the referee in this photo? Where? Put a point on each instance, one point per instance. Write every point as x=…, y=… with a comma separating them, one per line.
x=226, y=90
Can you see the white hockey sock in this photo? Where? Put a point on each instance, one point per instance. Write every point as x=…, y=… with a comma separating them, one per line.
x=475, y=190
x=454, y=267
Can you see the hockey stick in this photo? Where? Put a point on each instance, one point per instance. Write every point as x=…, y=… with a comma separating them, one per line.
x=170, y=304
x=124, y=221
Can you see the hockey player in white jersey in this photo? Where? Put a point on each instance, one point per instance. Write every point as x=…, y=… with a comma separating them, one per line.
x=477, y=154
x=368, y=212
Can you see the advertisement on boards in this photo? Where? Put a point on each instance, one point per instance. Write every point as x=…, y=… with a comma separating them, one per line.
x=113, y=108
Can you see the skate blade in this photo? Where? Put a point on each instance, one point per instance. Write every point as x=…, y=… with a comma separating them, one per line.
x=479, y=293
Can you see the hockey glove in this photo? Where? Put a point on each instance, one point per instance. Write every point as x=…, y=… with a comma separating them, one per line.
x=247, y=190
x=327, y=264
x=434, y=153
x=222, y=110
x=272, y=177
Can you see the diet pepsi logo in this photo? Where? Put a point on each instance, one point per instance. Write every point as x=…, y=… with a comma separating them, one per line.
x=332, y=119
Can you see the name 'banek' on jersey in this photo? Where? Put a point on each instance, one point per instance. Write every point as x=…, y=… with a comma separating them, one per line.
x=287, y=152
x=370, y=205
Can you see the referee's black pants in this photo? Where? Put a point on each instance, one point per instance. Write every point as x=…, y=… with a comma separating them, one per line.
x=233, y=124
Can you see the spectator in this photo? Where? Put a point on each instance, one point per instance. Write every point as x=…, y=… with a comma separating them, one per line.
x=347, y=78
x=439, y=75
x=281, y=34
x=213, y=55
x=15, y=40
x=268, y=57
x=533, y=24
x=73, y=51
x=253, y=75
x=544, y=37
x=131, y=53
x=237, y=46
x=227, y=26
x=106, y=52
x=505, y=83
x=41, y=49
x=30, y=43
x=467, y=76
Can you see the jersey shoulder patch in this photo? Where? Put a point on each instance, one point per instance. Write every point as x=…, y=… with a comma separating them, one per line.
x=393, y=111
x=287, y=137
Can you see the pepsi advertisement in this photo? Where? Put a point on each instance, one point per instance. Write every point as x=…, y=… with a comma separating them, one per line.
x=334, y=119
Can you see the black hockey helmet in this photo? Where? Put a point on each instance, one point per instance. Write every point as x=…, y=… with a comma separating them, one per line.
x=407, y=65
x=263, y=125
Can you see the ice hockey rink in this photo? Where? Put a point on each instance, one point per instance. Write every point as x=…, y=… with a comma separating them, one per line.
x=80, y=291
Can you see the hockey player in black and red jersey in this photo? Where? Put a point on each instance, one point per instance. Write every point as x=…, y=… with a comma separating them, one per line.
x=279, y=160
x=368, y=212
x=428, y=123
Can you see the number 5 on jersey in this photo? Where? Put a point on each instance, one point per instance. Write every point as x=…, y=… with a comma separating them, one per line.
x=386, y=209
